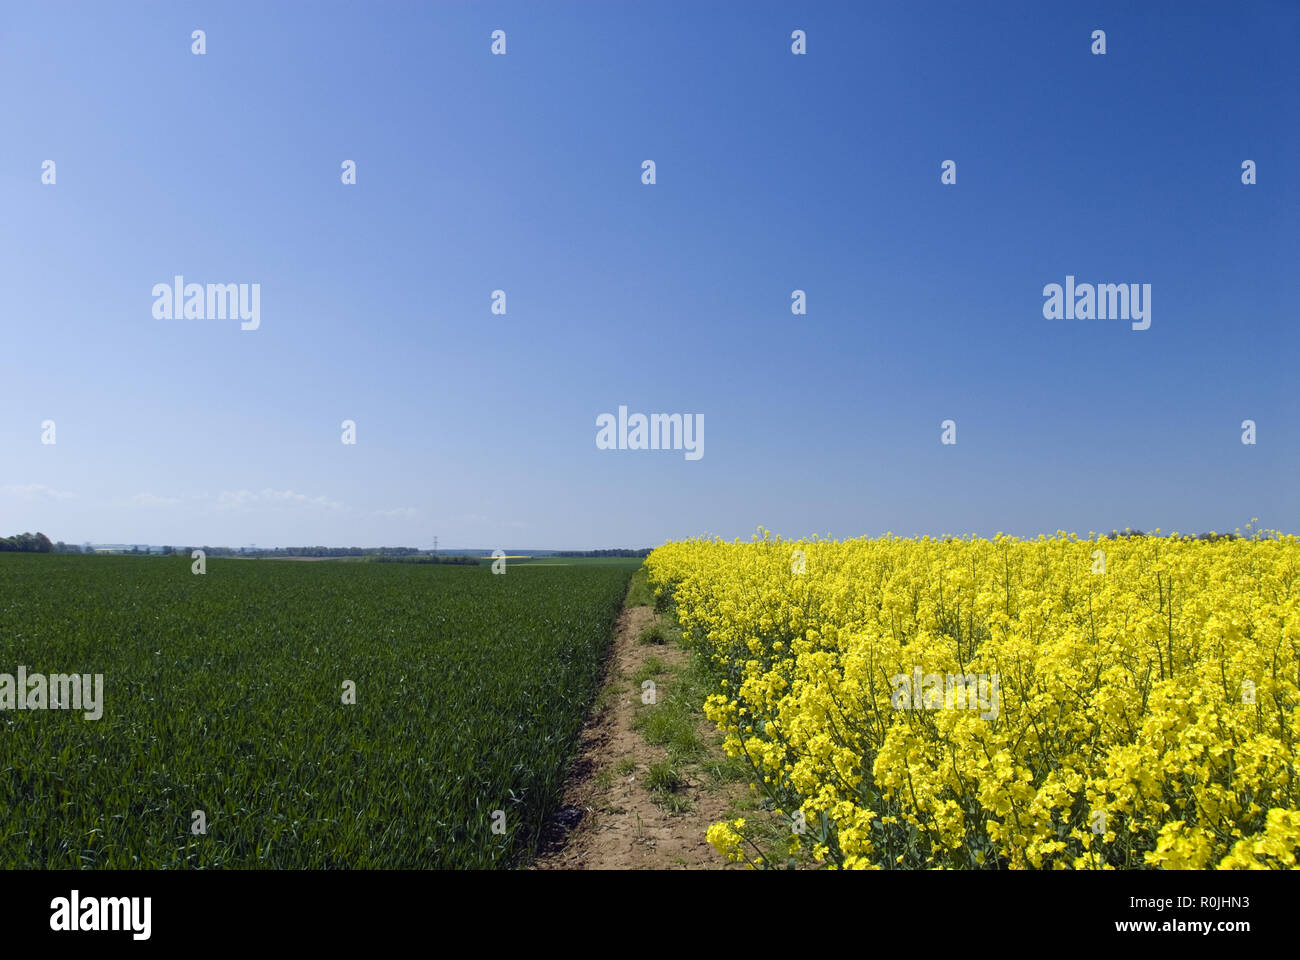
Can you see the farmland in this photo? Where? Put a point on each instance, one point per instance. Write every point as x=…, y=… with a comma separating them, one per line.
x=989, y=704
x=225, y=707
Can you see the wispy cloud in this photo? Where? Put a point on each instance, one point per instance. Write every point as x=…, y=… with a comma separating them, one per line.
x=230, y=500
x=235, y=499
x=404, y=512
x=35, y=491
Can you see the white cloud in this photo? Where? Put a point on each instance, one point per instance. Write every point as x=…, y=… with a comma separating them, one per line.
x=35, y=491
x=273, y=498
x=405, y=512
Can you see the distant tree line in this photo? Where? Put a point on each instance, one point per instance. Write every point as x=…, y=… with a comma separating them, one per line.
x=417, y=557
x=294, y=552
x=40, y=543
x=643, y=552
x=1200, y=536
x=299, y=551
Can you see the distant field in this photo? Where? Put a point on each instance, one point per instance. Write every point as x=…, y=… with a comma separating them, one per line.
x=630, y=563
x=223, y=694
x=512, y=560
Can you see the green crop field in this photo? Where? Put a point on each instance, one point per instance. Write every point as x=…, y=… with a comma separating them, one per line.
x=223, y=693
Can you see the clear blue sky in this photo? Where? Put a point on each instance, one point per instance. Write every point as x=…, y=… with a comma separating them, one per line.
x=523, y=172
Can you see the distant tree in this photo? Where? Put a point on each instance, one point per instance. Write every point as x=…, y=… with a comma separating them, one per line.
x=27, y=543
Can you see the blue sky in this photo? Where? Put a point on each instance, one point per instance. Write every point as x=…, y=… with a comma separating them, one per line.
x=522, y=172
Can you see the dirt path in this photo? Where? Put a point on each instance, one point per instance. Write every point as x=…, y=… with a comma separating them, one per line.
x=609, y=818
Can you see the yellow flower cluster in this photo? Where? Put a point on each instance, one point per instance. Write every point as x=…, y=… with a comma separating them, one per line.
x=1100, y=703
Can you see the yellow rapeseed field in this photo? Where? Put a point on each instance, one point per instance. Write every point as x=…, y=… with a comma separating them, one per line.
x=1100, y=703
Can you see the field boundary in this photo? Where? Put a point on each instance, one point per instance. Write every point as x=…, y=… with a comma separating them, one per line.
x=647, y=779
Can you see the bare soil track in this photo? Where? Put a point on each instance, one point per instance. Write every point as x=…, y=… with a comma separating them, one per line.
x=609, y=819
